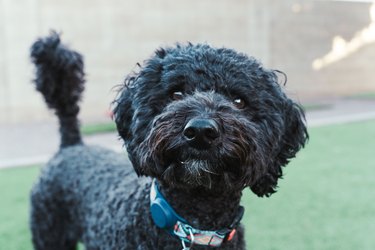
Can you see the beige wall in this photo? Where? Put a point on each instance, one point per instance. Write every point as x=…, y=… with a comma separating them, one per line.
x=303, y=31
x=114, y=35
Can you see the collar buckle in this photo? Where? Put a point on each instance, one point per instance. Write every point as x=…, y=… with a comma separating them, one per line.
x=184, y=247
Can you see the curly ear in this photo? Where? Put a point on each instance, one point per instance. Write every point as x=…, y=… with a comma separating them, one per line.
x=123, y=111
x=129, y=101
x=293, y=138
x=138, y=102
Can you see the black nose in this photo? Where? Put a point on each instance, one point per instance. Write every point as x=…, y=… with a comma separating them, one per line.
x=200, y=132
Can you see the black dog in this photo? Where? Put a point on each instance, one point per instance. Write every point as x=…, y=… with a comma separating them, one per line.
x=203, y=123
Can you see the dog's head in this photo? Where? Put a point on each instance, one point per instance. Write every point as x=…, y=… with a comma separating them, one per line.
x=197, y=116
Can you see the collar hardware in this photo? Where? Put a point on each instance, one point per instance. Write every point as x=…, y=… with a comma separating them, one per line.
x=166, y=218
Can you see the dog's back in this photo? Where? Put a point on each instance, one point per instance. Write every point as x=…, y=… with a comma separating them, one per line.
x=81, y=186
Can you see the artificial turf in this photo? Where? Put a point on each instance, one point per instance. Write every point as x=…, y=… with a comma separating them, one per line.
x=98, y=128
x=325, y=201
x=15, y=186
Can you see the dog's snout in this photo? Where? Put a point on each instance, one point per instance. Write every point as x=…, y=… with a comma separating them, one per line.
x=201, y=132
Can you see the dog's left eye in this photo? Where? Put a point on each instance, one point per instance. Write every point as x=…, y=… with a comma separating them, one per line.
x=177, y=95
x=239, y=103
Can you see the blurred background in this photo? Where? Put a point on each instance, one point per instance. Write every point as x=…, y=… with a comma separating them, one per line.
x=326, y=48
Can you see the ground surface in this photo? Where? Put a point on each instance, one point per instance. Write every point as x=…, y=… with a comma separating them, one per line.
x=326, y=200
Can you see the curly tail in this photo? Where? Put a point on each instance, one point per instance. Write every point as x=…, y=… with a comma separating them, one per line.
x=60, y=79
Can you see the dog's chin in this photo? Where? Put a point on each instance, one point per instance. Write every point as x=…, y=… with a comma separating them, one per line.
x=190, y=173
x=189, y=168
x=199, y=173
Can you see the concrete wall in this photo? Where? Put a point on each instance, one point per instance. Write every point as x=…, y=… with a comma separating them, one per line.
x=115, y=35
x=303, y=31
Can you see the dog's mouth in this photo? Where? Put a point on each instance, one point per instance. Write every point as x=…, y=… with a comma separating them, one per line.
x=190, y=154
x=200, y=168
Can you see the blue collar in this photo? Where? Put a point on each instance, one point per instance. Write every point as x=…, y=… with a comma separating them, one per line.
x=166, y=218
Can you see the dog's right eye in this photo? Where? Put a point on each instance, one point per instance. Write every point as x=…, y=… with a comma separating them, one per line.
x=239, y=103
x=177, y=95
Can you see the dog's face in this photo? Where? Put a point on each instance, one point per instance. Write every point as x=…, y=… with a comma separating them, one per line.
x=197, y=116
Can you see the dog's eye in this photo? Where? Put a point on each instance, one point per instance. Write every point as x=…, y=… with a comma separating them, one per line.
x=177, y=95
x=239, y=103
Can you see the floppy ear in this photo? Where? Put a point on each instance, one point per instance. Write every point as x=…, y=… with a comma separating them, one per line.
x=135, y=96
x=138, y=102
x=293, y=138
x=123, y=111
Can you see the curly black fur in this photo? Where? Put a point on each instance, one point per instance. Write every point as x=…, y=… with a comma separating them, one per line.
x=91, y=195
x=256, y=141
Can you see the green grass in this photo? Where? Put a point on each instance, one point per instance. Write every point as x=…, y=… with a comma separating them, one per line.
x=98, y=128
x=326, y=200
x=15, y=186
x=316, y=106
x=363, y=96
